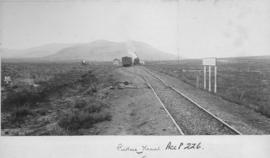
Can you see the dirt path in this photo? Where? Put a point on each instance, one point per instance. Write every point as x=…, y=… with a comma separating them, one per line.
x=134, y=109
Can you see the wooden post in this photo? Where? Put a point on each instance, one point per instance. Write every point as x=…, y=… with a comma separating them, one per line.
x=197, y=81
x=215, y=90
x=209, y=79
x=204, y=77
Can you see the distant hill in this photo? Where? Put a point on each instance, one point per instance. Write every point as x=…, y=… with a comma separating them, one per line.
x=95, y=51
x=35, y=52
x=102, y=50
x=244, y=59
x=9, y=53
x=45, y=50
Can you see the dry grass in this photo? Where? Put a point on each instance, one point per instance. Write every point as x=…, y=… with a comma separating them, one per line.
x=24, y=105
x=245, y=82
x=84, y=114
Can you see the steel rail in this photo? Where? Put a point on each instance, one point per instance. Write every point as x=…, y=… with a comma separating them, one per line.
x=162, y=104
x=164, y=107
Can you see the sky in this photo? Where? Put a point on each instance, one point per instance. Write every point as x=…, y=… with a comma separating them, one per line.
x=190, y=28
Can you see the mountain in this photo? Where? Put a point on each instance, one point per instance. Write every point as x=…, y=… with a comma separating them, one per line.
x=100, y=50
x=35, y=52
x=45, y=50
x=103, y=50
x=9, y=53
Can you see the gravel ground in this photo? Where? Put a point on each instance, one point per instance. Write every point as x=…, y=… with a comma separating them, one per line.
x=240, y=117
x=189, y=117
x=135, y=110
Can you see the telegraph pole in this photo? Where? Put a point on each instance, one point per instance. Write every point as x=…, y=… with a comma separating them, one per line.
x=178, y=56
x=178, y=31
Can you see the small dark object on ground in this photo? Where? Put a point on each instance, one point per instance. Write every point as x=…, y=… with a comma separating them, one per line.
x=42, y=111
x=20, y=114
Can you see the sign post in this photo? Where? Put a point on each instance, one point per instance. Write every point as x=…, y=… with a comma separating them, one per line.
x=215, y=90
x=210, y=62
x=209, y=85
x=204, y=77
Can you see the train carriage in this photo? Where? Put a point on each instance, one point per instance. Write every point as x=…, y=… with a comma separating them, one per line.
x=127, y=61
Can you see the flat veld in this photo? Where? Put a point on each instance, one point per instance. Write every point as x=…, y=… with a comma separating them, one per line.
x=53, y=98
x=102, y=99
x=245, y=81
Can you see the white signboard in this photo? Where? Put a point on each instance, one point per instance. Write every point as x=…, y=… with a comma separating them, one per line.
x=210, y=61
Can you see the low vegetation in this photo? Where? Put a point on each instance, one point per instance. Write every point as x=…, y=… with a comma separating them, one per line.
x=243, y=81
x=85, y=114
x=65, y=96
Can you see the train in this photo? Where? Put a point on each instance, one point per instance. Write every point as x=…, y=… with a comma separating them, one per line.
x=137, y=61
x=127, y=61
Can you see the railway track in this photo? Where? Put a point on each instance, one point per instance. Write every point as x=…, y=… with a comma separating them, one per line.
x=164, y=107
x=206, y=123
